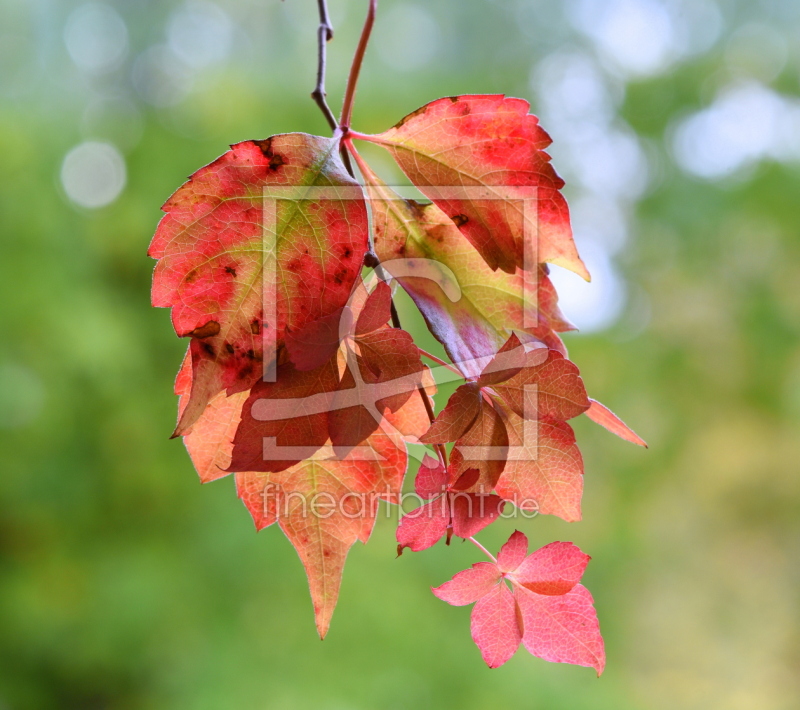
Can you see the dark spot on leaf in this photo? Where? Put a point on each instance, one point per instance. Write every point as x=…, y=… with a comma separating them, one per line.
x=252, y=355
x=460, y=219
x=245, y=372
x=229, y=348
x=209, y=349
x=191, y=276
x=347, y=252
x=255, y=328
x=275, y=159
x=413, y=114
x=454, y=99
x=206, y=331
x=230, y=270
x=265, y=146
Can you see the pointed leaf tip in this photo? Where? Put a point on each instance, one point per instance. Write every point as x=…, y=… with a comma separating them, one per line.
x=602, y=415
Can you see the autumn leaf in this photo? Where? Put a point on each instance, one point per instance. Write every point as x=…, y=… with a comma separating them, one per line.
x=286, y=421
x=484, y=447
x=213, y=246
x=544, y=470
x=602, y=415
x=491, y=150
x=457, y=417
x=470, y=309
x=547, y=386
x=549, y=611
x=383, y=375
x=452, y=508
x=324, y=505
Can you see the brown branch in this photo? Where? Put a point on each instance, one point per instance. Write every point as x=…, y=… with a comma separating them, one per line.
x=324, y=35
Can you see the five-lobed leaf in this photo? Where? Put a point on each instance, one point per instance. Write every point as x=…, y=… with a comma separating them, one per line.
x=549, y=611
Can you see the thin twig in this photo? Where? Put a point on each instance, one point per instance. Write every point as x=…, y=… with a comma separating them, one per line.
x=324, y=35
x=488, y=554
x=355, y=67
x=439, y=361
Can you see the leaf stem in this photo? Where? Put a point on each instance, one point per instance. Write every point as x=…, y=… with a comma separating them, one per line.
x=439, y=361
x=363, y=136
x=324, y=35
x=481, y=547
x=355, y=67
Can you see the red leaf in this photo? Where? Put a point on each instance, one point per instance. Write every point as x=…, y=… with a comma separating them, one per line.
x=490, y=143
x=469, y=585
x=315, y=343
x=349, y=426
x=394, y=360
x=513, y=552
x=323, y=506
x=465, y=514
x=508, y=361
x=210, y=440
x=468, y=307
x=457, y=417
x=553, y=569
x=602, y=415
x=466, y=480
x=376, y=311
x=210, y=247
x=562, y=629
x=559, y=626
x=423, y=527
x=544, y=470
x=431, y=478
x=550, y=390
x=484, y=446
x=472, y=512
x=495, y=627
x=291, y=412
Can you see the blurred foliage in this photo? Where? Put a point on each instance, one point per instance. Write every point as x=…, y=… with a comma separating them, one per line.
x=124, y=584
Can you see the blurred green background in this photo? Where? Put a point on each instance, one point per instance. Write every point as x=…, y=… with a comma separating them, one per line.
x=125, y=584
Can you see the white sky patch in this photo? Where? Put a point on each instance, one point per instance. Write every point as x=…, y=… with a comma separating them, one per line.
x=744, y=125
x=595, y=306
x=407, y=37
x=200, y=34
x=573, y=93
x=637, y=36
x=93, y=174
x=640, y=38
x=96, y=38
x=603, y=218
x=591, y=146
